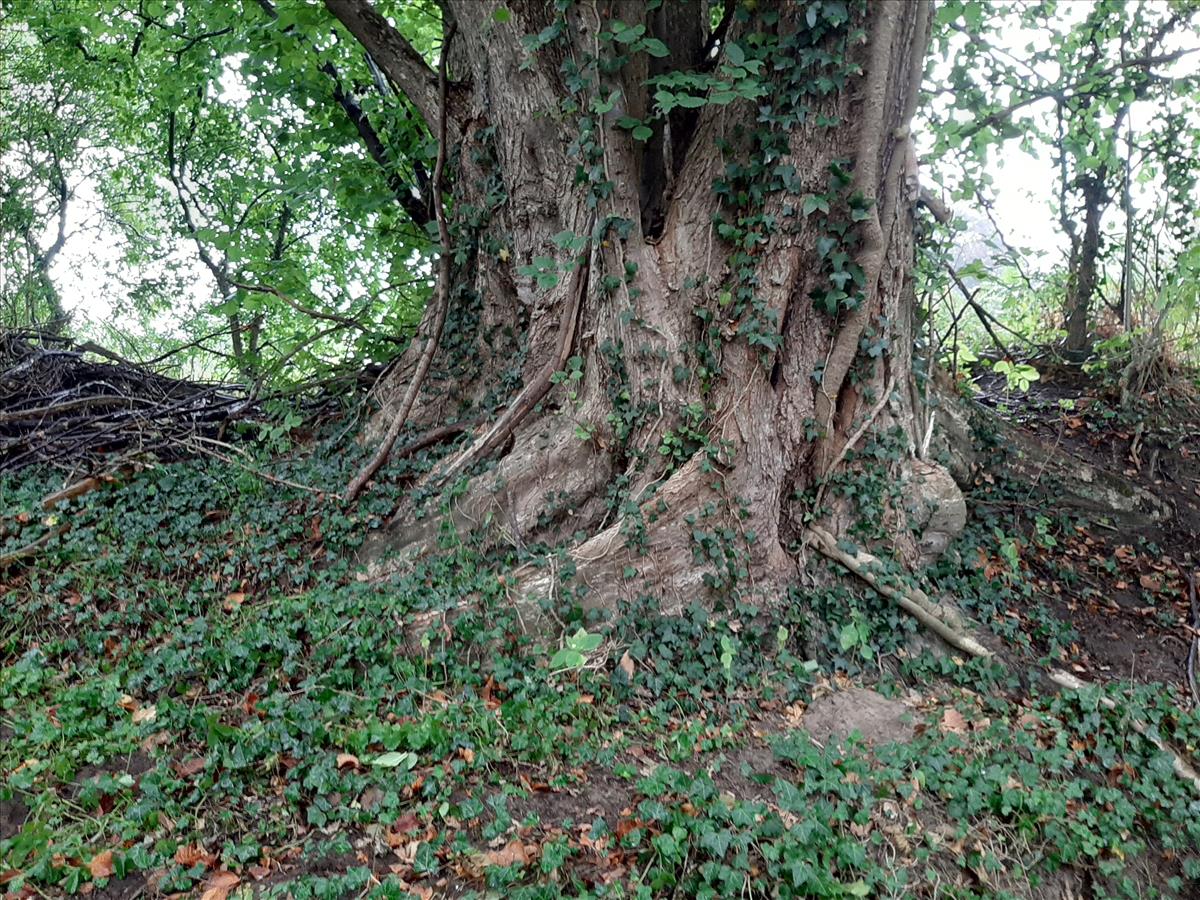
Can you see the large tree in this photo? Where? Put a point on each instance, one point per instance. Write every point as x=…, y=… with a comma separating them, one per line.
x=674, y=287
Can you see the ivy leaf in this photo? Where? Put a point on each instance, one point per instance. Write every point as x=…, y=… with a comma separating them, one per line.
x=395, y=760
x=655, y=48
x=849, y=636
x=813, y=202
x=736, y=54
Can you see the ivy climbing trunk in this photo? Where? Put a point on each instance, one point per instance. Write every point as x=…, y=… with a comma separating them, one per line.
x=1082, y=268
x=680, y=283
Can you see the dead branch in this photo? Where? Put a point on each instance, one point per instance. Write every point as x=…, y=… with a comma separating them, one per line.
x=913, y=601
x=32, y=548
x=918, y=604
x=59, y=407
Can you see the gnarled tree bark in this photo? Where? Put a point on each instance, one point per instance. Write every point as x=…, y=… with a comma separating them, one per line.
x=712, y=392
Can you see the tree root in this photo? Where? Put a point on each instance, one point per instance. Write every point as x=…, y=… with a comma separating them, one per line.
x=443, y=303
x=537, y=389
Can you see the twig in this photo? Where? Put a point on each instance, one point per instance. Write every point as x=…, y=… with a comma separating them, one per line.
x=32, y=547
x=68, y=405
x=442, y=300
x=854, y=438
x=274, y=479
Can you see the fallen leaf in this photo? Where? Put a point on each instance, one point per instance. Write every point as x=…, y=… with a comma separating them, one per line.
x=144, y=714
x=370, y=798
x=190, y=854
x=101, y=865
x=190, y=767
x=347, y=759
x=1150, y=582
x=127, y=703
x=395, y=759
x=512, y=853
x=219, y=885
x=626, y=665
x=406, y=823
x=953, y=721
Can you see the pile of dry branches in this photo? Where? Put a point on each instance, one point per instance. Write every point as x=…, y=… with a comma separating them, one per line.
x=60, y=406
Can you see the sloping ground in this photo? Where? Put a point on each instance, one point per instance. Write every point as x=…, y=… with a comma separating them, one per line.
x=1122, y=581
x=200, y=697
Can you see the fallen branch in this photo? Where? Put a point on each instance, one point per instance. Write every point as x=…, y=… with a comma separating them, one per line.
x=32, y=548
x=1178, y=764
x=70, y=492
x=913, y=601
x=917, y=604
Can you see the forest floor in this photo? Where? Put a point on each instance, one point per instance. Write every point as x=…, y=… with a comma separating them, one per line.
x=202, y=694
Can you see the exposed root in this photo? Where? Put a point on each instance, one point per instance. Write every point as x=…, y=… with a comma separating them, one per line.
x=442, y=303
x=537, y=389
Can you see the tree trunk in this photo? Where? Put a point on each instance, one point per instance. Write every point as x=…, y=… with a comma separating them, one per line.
x=673, y=332
x=1083, y=271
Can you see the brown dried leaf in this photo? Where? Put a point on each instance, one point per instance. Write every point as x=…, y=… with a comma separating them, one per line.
x=219, y=885
x=512, y=853
x=101, y=865
x=190, y=767
x=953, y=721
x=347, y=759
x=190, y=854
x=625, y=664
